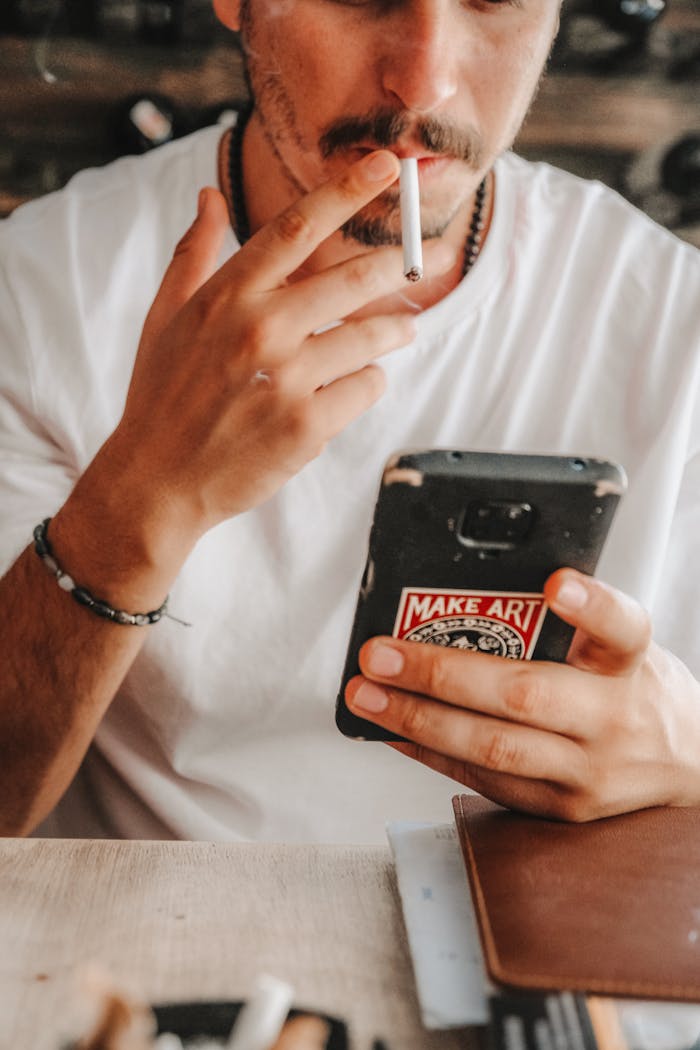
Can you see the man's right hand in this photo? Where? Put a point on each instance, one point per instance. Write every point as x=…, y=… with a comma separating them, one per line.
x=232, y=391
x=231, y=394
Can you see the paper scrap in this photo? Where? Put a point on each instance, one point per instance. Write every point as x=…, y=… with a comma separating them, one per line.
x=441, y=925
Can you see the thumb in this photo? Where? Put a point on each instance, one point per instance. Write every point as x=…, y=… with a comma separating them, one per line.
x=613, y=631
x=193, y=263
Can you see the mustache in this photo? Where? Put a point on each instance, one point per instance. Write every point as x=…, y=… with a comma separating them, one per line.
x=385, y=127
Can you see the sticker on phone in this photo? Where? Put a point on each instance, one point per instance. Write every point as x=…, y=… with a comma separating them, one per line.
x=503, y=623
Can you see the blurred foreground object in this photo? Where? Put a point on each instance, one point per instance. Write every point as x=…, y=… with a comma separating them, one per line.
x=115, y=1018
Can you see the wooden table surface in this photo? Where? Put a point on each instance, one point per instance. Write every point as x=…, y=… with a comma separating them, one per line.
x=181, y=921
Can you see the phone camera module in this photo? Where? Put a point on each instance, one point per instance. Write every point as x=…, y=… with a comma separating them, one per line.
x=498, y=524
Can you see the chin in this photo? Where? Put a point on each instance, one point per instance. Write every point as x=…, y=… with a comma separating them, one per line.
x=376, y=226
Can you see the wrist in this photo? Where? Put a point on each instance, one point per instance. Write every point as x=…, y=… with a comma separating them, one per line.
x=119, y=536
x=80, y=594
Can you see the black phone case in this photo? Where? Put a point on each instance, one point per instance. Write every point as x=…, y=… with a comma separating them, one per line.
x=460, y=548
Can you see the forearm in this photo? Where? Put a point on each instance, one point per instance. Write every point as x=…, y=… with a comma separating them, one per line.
x=60, y=664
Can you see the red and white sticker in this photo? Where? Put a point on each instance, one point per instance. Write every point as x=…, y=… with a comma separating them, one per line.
x=505, y=623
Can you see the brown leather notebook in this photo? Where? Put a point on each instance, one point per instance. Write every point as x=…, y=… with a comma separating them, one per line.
x=611, y=907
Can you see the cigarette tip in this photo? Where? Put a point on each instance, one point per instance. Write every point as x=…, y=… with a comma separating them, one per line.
x=414, y=274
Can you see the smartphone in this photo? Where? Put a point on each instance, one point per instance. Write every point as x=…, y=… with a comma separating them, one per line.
x=461, y=545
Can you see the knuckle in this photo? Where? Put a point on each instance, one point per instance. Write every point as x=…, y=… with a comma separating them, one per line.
x=577, y=807
x=347, y=187
x=524, y=695
x=414, y=718
x=377, y=334
x=566, y=807
x=293, y=227
x=362, y=276
x=303, y=429
x=297, y=423
x=201, y=309
x=498, y=752
x=259, y=336
x=435, y=670
x=588, y=788
x=375, y=381
x=372, y=332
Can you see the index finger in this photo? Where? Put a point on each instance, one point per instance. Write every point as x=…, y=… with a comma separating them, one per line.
x=282, y=245
x=538, y=694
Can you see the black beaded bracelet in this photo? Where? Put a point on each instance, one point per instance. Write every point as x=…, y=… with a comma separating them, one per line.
x=83, y=596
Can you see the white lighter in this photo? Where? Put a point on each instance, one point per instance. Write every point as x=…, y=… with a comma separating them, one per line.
x=410, y=220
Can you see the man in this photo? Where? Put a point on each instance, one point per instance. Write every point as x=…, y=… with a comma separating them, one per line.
x=234, y=463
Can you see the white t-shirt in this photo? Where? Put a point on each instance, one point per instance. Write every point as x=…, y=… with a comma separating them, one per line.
x=577, y=331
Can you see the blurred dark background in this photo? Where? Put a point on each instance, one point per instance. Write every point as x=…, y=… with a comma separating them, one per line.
x=82, y=81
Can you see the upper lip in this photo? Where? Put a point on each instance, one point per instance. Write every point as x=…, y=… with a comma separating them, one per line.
x=403, y=154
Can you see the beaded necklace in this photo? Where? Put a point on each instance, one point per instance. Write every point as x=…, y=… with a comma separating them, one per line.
x=239, y=212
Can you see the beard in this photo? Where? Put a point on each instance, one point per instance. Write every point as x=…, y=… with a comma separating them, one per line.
x=379, y=222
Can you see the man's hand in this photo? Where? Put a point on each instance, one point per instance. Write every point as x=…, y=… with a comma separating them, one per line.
x=236, y=387
x=614, y=729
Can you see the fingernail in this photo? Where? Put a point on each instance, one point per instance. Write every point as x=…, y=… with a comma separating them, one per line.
x=201, y=201
x=384, y=661
x=370, y=697
x=380, y=166
x=572, y=595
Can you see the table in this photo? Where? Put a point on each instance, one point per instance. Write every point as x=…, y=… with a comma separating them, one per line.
x=194, y=920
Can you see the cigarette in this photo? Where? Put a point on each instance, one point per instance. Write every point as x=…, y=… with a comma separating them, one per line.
x=410, y=220
x=261, y=1020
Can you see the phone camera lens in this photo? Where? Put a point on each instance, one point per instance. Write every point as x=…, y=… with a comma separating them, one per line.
x=454, y=457
x=495, y=523
x=578, y=464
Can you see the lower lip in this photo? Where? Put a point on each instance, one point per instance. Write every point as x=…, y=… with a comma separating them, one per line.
x=428, y=167
x=432, y=166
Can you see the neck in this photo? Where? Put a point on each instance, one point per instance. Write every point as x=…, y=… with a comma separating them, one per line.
x=267, y=190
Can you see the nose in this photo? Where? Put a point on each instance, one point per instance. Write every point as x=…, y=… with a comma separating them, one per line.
x=420, y=60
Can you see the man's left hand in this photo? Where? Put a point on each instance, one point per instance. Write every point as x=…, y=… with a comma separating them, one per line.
x=615, y=728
